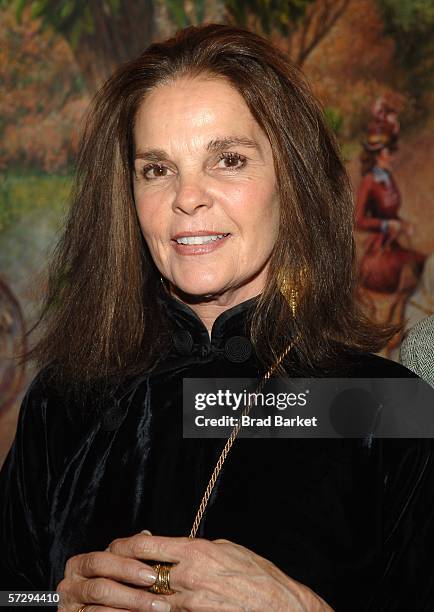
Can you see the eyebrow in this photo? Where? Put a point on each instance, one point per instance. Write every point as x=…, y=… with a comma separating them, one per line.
x=216, y=145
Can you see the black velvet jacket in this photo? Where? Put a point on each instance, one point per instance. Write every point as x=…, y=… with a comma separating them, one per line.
x=352, y=521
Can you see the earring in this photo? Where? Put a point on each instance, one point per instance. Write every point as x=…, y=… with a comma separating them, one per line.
x=293, y=301
x=290, y=294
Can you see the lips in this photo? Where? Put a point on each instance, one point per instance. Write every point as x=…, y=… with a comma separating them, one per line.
x=199, y=242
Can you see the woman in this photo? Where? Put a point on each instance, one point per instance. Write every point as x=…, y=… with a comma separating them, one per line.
x=378, y=204
x=209, y=236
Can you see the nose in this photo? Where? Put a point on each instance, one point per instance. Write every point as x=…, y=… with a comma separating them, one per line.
x=191, y=193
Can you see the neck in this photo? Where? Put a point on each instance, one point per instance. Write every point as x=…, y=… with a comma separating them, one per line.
x=383, y=165
x=209, y=307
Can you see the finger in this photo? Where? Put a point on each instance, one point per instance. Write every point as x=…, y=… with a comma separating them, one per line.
x=156, y=548
x=145, y=531
x=109, y=565
x=90, y=608
x=105, y=592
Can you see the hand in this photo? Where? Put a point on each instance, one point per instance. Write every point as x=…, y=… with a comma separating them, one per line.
x=394, y=227
x=97, y=577
x=220, y=576
x=407, y=228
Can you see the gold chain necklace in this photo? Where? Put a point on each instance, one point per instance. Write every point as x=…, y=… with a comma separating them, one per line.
x=228, y=446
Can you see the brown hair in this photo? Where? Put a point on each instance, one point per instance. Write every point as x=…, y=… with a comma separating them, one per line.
x=101, y=313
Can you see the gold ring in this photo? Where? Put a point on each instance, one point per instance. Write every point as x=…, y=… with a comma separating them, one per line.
x=161, y=585
x=82, y=608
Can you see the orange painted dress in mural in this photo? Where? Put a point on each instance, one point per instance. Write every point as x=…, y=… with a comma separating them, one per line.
x=378, y=202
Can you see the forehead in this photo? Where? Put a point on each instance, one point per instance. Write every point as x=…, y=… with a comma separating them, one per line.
x=191, y=108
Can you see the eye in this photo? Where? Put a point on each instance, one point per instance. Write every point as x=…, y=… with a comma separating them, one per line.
x=233, y=159
x=159, y=169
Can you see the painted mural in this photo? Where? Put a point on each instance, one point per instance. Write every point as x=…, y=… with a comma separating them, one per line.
x=371, y=62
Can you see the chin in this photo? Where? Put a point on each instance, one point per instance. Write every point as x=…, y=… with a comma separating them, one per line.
x=197, y=288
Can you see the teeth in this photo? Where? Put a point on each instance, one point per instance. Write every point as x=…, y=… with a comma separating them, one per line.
x=199, y=239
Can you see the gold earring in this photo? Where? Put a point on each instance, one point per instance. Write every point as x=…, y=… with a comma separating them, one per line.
x=293, y=301
x=290, y=294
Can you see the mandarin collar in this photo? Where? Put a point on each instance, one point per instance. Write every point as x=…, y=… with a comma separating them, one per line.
x=381, y=175
x=229, y=335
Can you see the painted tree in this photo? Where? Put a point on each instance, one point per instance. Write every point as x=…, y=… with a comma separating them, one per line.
x=410, y=23
x=42, y=96
x=184, y=13
x=296, y=25
x=101, y=34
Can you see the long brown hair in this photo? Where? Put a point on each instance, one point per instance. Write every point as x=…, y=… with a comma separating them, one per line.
x=101, y=314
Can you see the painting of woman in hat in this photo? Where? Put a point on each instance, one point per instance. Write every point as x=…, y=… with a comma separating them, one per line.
x=386, y=266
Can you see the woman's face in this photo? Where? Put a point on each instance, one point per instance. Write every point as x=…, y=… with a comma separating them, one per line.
x=386, y=157
x=205, y=168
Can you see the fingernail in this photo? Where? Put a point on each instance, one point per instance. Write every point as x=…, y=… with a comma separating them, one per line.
x=148, y=576
x=160, y=606
x=145, y=531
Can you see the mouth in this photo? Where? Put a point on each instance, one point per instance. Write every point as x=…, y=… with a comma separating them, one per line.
x=197, y=240
x=199, y=243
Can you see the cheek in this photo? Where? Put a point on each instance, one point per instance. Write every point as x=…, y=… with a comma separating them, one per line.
x=151, y=217
x=257, y=212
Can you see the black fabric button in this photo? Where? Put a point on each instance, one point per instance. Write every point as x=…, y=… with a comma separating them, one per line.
x=205, y=350
x=238, y=349
x=112, y=418
x=183, y=341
